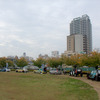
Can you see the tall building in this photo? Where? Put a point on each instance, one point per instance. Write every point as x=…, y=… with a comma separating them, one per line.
x=76, y=43
x=82, y=25
x=71, y=43
x=24, y=54
x=29, y=59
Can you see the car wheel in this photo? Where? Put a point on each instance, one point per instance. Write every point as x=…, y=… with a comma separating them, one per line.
x=88, y=76
x=69, y=74
x=81, y=75
x=75, y=75
x=96, y=78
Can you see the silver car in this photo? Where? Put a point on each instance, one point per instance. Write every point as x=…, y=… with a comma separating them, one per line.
x=55, y=71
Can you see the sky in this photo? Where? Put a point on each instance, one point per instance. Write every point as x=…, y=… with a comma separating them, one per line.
x=42, y=26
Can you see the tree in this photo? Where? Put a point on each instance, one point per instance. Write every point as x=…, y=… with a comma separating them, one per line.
x=21, y=62
x=39, y=62
x=54, y=62
x=3, y=62
x=10, y=63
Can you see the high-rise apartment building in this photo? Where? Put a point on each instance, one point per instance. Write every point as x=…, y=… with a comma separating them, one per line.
x=71, y=43
x=76, y=43
x=82, y=25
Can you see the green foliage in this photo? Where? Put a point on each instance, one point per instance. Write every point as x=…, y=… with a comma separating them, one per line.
x=66, y=60
x=3, y=62
x=51, y=62
x=90, y=60
x=39, y=62
x=10, y=63
x=21, y=62
x=54, y=62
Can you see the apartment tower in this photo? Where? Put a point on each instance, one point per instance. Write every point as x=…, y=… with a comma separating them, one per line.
x=82, y=26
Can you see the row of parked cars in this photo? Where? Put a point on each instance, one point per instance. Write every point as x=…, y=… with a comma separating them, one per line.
x=91, y=73
x=54, y=71
x=17, y=70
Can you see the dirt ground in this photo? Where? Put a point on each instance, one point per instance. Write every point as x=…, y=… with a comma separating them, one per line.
x=94, y=84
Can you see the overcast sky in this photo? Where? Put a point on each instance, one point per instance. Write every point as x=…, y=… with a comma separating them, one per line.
x=41, y=26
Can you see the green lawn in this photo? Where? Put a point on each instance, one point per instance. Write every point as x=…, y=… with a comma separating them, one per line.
x=30, y=86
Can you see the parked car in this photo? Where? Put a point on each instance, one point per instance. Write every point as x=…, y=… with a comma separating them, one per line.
x=40, y=71
x=22, y=70
x=55, y=71
x=94, y=75
x=5, y=70
x=76, y=72
x=66, y=70
x=71, y=73
x=49, y=68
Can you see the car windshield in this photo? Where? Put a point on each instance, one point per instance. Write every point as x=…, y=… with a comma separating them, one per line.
x=93, y=71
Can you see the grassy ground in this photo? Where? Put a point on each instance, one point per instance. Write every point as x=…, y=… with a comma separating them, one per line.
x=30, y=86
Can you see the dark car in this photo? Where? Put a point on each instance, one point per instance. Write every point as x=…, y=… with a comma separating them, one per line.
x=76, y=72
x=94, y=75
x=66, y=70
x=71, y=73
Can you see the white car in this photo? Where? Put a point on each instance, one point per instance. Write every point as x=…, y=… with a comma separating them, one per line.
x=7, y=70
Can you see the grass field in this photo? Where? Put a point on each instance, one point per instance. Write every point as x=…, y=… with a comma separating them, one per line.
x=30, y=86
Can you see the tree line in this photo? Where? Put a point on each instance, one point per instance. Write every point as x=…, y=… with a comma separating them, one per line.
x=12, y=62
x=91, y=60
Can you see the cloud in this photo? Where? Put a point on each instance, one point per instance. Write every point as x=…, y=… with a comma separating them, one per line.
x=41, y=26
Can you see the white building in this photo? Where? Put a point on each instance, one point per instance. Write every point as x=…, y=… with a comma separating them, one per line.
x=43, y=56
x=76, y=43
x=55, y=54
